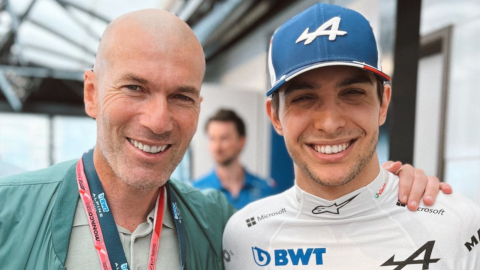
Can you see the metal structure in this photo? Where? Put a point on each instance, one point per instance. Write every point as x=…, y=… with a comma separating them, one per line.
x=45, y=45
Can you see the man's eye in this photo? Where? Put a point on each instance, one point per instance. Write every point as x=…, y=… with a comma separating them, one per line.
x=353, y=92
x=133, y=87
x=183, y=98
x=301, y=98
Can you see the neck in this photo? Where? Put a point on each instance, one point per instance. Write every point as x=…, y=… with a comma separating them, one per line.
x=130, y=206
x=232, y=177
x=365, y=177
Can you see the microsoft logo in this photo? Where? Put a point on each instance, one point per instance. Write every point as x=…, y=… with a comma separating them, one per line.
x=251, y=221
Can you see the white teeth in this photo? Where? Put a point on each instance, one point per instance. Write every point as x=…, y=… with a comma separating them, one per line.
x=147, y=148
x=331, y=149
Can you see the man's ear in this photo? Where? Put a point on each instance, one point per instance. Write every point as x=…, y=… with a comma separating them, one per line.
x=90, y=94
x=243, y=139
x=274, y=117
x=387, y=94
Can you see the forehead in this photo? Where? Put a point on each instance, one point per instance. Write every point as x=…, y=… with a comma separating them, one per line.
x=336, y=76
x=153, y=57
x=220, y=127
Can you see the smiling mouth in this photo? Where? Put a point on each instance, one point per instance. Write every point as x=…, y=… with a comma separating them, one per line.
x=151, y=149
x=333, y=148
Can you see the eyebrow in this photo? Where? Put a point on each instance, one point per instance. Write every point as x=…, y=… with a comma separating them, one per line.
x=132, y=77
x=182, y=89
x=360, y=78
x=188, y=89
x=297, y=85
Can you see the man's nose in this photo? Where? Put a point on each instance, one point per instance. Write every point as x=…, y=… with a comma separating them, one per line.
x=329, y=116
x=157, y=115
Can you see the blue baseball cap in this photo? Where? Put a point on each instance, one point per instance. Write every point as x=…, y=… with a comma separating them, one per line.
x=323, y=35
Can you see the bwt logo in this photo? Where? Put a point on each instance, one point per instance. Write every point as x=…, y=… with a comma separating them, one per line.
x=283, y=257
x=103, y=202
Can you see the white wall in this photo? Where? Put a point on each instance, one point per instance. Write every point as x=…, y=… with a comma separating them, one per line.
x=428, y=115
x=462, y=149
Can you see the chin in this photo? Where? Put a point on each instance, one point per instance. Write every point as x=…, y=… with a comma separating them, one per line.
x=144, y=179
x=331, y=177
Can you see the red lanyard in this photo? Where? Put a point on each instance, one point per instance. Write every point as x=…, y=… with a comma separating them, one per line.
x=96, y=229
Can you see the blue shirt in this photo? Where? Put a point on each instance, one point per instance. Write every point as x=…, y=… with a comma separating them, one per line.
x=254, y=188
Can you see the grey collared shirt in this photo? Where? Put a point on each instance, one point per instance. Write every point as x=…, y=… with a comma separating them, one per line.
x=136, y=245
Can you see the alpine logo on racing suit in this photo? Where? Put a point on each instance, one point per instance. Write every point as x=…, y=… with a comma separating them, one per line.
x=282, y=257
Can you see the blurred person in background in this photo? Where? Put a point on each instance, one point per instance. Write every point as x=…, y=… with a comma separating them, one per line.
x=226, y=140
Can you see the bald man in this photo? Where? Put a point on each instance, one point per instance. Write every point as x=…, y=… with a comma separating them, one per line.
x=115, y=207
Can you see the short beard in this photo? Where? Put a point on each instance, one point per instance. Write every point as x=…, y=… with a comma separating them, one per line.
x=128, y=175
x=354, y=172
x=227, y=162
x=151, y=181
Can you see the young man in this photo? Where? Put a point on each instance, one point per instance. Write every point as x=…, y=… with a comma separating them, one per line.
x=226, y=140
x=328, y=101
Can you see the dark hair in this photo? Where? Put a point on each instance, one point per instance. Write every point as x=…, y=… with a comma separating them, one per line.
x=226, y=115
x=380, y=89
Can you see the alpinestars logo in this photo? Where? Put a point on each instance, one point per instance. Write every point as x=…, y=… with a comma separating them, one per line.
x=427, y=258
x=332, y=209
x=333, y=24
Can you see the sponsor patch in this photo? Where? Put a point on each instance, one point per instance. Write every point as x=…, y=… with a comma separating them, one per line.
x=252, y=221
x=425, y=209
x=332, y=209
x=413, y=259
x=284, y=257
x=473, y=241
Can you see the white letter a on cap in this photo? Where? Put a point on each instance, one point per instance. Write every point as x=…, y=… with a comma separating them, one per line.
x=334, y=23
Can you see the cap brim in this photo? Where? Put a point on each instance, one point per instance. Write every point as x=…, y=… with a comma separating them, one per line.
x=382, y=76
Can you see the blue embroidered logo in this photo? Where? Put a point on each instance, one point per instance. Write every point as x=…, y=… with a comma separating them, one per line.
x=103, y=202
x=284, y=257
x=260, y=256
x=176, y=212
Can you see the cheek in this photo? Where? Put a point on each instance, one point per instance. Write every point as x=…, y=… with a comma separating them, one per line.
x=115, y=109
x=187, y=123
x=293, y=125
x=367, y=118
